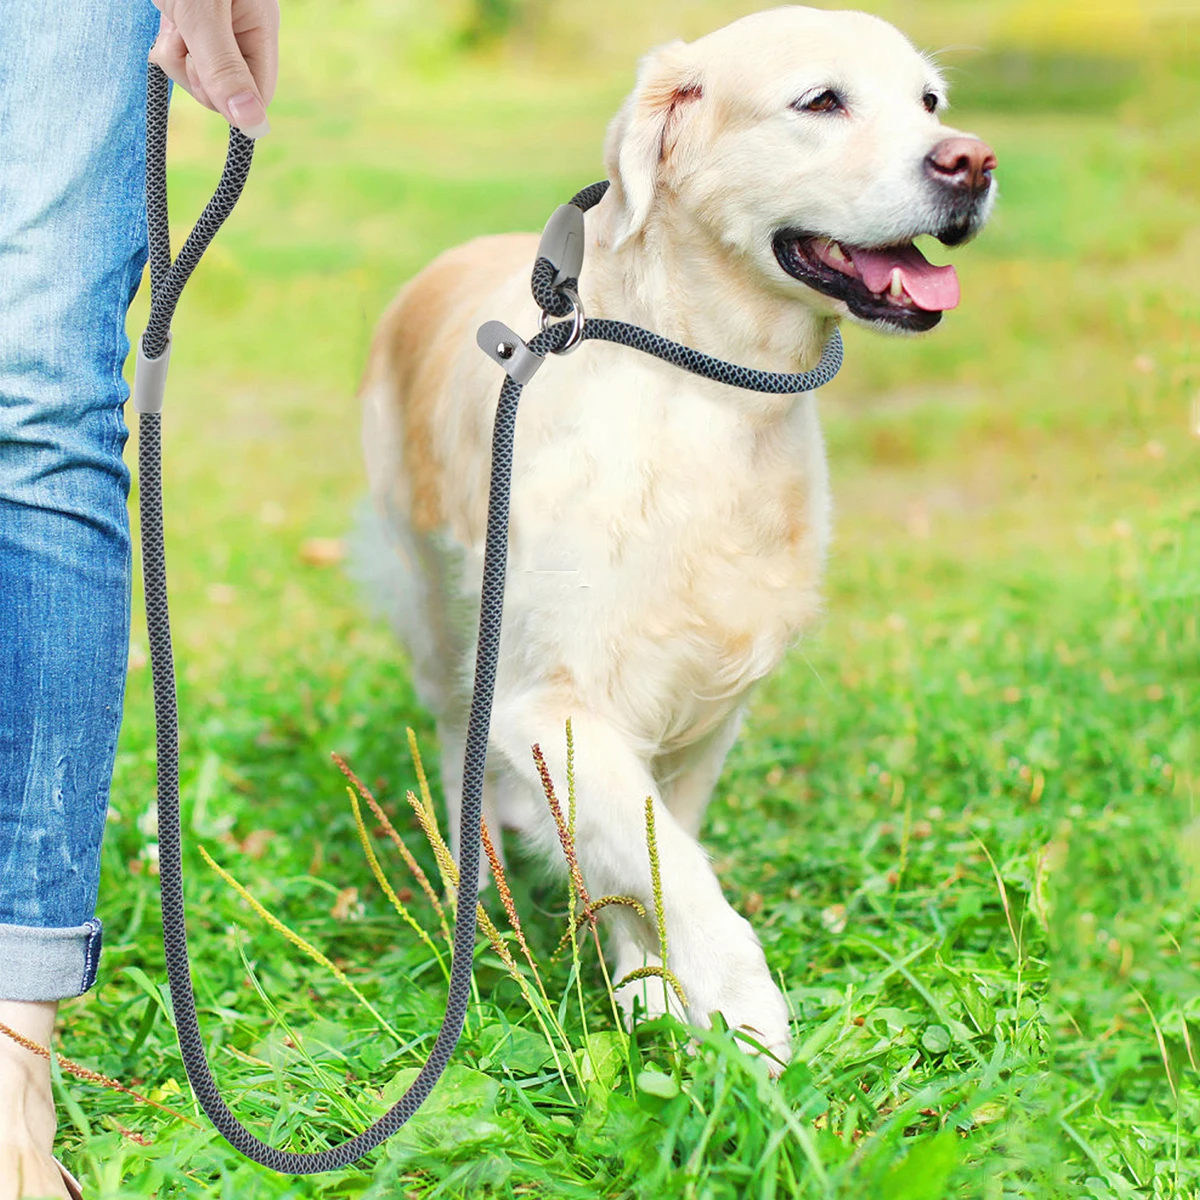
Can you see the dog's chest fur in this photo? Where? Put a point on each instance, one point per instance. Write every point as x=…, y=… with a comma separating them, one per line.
x=665, y=547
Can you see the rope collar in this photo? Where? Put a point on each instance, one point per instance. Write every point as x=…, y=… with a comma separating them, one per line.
x=555, y=287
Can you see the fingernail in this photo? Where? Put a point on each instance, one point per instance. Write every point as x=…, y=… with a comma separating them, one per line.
x=248, y=114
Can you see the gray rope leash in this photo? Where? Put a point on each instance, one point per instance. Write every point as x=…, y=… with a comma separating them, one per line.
x=167, y=282
x=556, y=286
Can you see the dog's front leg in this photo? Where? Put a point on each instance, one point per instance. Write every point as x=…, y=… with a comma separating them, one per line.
x=712, y=950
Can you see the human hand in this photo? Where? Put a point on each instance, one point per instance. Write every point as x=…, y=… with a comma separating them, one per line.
x=225, y=53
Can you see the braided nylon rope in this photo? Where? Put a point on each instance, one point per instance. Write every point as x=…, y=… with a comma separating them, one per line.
x=778, y=382
x=550, y=298
x=589, y=196
x=158, y=98
x=167, y=282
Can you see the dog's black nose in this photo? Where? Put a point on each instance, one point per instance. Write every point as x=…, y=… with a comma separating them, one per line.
x=963, y=163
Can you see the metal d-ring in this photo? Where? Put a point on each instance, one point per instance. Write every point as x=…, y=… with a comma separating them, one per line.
x=577, y=321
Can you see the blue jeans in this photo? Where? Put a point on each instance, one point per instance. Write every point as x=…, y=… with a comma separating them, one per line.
x=72, y=249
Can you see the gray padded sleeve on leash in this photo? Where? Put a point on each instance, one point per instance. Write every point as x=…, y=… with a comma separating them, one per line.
x=150, y=379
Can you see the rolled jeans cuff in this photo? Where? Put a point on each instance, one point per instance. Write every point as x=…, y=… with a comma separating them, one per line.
x=48, y=964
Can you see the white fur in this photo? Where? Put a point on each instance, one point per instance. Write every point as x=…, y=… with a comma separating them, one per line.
x=667, y=533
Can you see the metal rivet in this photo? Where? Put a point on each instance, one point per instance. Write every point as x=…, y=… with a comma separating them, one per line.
x=504, y=350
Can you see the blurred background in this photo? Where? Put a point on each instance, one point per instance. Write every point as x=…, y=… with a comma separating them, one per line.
x=1010, y=658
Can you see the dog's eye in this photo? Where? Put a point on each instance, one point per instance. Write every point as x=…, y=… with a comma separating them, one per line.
x=827, y=101
x=930, y=101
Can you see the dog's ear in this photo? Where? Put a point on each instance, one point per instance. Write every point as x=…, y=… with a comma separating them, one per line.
x=646, y=132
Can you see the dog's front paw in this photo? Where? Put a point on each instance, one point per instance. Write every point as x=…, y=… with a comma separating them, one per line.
x=759, y=1023
x=738, y=985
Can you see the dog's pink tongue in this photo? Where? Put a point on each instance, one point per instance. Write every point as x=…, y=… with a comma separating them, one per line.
x=934, y=289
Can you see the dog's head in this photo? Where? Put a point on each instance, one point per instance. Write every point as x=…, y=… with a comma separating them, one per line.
x=808, y=146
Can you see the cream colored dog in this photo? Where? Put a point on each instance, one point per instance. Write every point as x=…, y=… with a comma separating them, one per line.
x=667, y=532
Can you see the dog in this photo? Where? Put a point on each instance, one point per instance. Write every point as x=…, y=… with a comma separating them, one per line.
x=668, y=532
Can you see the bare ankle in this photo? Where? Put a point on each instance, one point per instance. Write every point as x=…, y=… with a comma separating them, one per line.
x=26, y=1096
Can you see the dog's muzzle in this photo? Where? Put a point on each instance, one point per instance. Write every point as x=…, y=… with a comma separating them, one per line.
x=960, y=169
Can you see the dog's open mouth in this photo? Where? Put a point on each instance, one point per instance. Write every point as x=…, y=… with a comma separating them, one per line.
x=893, y=285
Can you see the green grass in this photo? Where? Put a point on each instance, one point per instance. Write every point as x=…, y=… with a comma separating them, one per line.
x=963, y=816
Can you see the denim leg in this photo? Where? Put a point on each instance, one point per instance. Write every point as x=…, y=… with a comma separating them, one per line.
x=72, y=248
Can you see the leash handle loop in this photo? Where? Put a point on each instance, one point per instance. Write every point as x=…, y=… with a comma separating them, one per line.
x=167, y=278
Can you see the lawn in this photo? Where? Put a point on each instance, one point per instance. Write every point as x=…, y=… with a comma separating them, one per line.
x=963, y=816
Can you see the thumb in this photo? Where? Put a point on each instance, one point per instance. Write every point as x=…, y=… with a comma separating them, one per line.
x=223, y=72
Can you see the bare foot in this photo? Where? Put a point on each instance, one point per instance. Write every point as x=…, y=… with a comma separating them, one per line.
x=27, y=1119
